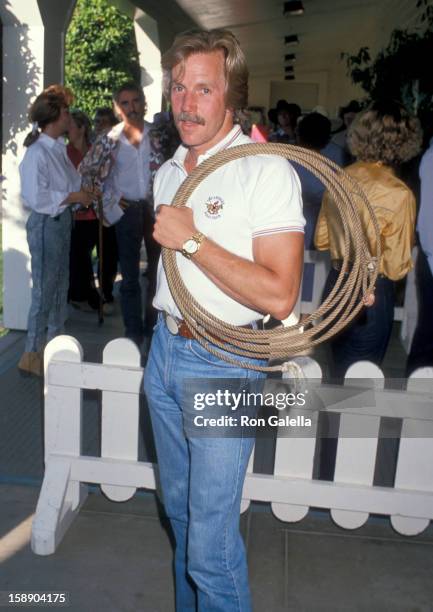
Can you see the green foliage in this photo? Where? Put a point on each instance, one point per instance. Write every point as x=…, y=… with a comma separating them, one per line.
x=402, y=70
x=100, y=53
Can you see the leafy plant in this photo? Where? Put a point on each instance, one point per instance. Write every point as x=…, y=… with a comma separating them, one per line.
x=100, y=53
x=400, y=71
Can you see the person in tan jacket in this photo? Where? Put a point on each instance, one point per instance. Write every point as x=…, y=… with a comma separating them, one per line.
x=381, y=138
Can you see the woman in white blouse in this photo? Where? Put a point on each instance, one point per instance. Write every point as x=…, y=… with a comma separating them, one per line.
x=49, y=186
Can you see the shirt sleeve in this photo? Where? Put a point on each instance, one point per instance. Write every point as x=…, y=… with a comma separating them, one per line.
x=35, y=186
x=276, y=202
x=321, y=235
x=98, y=169
x=111, y=197
x=398, y=239
x=425, y=217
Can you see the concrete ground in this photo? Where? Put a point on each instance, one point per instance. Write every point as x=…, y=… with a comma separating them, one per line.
x=116, y=557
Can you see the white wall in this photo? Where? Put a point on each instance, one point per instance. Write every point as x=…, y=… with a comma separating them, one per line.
x=23, y=73
x=371, y=27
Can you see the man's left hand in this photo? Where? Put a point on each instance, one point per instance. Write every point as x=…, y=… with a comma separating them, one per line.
x=173, y=226
x=369, y=299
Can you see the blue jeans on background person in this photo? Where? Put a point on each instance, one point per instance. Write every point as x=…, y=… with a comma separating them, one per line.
x=49, y=239
x=201, y=478
x=364, y=338
x=367, y=336
x=129, y=233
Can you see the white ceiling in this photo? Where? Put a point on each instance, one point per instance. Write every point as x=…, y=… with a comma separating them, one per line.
x=326, y=29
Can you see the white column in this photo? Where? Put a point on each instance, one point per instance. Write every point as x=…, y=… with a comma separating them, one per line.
x=33, y=37
x=23, y=70
x=149, y=56
x=56, y=17
x=147, y=37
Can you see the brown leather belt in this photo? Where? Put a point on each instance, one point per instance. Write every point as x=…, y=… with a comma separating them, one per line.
x=184, y=331
x=134, y=203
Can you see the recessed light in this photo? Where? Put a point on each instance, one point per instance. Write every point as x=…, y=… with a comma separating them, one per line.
x=293, y=7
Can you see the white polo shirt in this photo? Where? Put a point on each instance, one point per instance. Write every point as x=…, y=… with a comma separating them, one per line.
x=258, y=195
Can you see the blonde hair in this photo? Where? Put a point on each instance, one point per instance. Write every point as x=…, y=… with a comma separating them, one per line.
x=207, y=41
x=385, y=132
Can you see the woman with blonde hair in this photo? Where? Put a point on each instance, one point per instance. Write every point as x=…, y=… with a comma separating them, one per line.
x=381, y=138
x=50, y=185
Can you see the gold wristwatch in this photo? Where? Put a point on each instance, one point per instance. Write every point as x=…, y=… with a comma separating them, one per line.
x=191, y=246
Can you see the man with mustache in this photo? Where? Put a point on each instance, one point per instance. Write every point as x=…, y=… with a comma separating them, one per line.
x=239, y=244
x=127, y=195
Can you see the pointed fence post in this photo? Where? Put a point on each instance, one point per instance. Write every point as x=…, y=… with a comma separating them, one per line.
x=294, y=455
x=245, y=503
x=415, y=457
x=356, y=456
x=60, y=498
x=120, y=415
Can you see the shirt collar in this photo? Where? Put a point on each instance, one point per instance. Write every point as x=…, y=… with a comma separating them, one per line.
x=48, y=141
x=178, y=158
x=378, y=165
x=116, y=131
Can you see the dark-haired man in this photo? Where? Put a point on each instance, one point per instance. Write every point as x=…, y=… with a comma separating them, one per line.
x=239, y=246
x=127, y=202
x=287, y=116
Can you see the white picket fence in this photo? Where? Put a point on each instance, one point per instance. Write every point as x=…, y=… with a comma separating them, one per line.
x=291, y=490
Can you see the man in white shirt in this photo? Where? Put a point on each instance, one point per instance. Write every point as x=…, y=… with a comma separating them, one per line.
x=127, y=190
x=239, y=246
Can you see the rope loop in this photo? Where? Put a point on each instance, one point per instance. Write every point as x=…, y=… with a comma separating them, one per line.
x=357, y=275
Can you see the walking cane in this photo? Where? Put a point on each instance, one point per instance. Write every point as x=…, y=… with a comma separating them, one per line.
x=101, y=260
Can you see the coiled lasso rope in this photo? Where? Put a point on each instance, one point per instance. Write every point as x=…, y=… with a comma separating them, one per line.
x=357, y=275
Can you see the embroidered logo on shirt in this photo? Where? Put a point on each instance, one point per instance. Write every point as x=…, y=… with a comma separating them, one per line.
x=214, y=206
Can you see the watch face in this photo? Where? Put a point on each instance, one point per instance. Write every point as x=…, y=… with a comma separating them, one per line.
x=190, y=246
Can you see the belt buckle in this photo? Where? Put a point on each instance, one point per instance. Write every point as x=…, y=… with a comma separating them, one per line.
x=172, y=324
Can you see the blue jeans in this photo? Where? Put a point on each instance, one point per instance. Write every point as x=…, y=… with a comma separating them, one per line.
x=367, y=336
x=201, y=478
x=129, y=233
x=136, y=225
x=49, y=240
